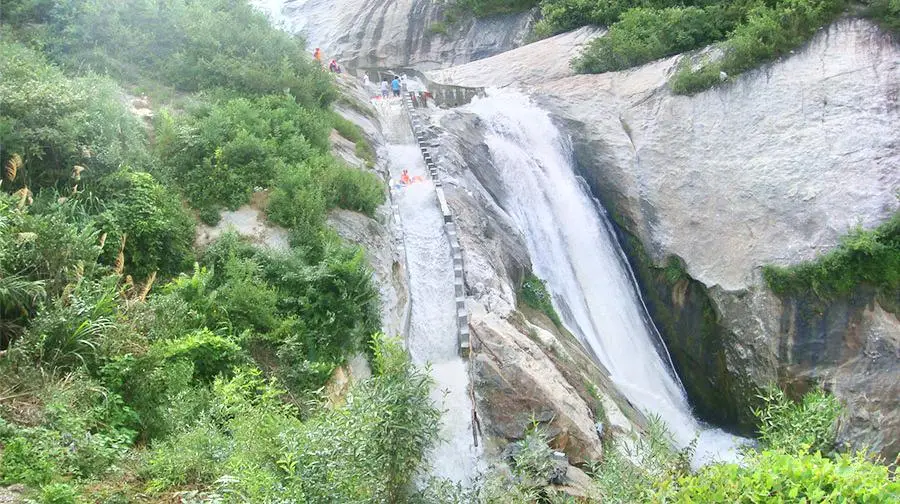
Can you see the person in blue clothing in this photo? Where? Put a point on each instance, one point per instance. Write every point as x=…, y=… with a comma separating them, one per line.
x=395, y=85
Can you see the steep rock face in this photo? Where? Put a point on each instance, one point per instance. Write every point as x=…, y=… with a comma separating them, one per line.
x=771, y=168
x=398, y=33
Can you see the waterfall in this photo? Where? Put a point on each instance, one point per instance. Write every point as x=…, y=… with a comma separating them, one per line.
x=573, y=249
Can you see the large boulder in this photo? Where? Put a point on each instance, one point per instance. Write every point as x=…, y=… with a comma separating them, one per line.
x=517, y=384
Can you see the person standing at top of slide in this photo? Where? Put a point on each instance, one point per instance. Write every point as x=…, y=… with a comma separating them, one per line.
x=395, y=86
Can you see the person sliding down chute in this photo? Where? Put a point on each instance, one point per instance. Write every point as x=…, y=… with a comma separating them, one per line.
x=406, y=180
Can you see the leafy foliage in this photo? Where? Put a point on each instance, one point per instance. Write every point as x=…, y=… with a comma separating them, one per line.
x=534, y=294
x=782, y=476
x=376, y=441
x=805, y=426
x=886, y=13
x=641, y=35
x=55, y=122
x=862, y=257
x=768, y=32
x=190, y=45
x=484, y=8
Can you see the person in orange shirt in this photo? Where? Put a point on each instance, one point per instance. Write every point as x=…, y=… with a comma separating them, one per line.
x=318, y=55
x=404, y=178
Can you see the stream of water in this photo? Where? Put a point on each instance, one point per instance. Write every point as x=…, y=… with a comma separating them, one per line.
x=573, y=248
x=432, y=335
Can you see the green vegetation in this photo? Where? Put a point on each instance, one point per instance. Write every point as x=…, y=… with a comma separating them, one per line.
x=132, y=364
x=751, y=33
x=484, y=8
x=796, y=463
x=534, y=293
x=641, y=35
x=354, y=133
x=863, y=257
x=748, y=32
x=886, y=13
x=767, y=32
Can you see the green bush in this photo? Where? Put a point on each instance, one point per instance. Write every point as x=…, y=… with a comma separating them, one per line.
x=367, y=450
x=484, y=8
x=809, y=425
x=353, y=189
x=158, y=231
x=642, y=35
x=55, y=122
x=862, y=257
x=190, y=457
x=768, y=32
x=58, y=493
x=886, y=13
x=210, y=355
x=780, y=476
x=534, y=294
x=563, y=15
x=22, y=462
x=687, y=81
x=354, y=133
x=219, y=154
x=191, y=45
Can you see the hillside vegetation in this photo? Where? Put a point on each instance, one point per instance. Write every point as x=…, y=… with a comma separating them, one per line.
x=134, y=366
x=746, y=33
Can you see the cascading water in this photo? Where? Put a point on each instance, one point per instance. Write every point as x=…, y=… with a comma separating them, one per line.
x=573, y=249
x=432, y=332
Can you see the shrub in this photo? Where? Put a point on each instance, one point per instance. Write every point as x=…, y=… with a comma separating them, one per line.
x=159, y=232
x=298, y=204
x=862, y=257
x=352, y=132
x=767, y=32
x=642, y=35
x=190, y=457
x=631, y=468
x=210, y=355
x=886, y=13
x=779, y=476
x=58, y=493
x=22, y=462
x=162, y=392
x=805, y=426
x=534, y=294
x=192, y=45
x=483, y=8
x=55, y=122
x=353, y=189
x=68, y=333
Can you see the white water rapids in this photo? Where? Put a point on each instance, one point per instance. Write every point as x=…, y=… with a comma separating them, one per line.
x=573, y=249
x=432, y=335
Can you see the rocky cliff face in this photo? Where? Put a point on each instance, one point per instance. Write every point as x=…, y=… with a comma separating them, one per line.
x=398, y=33
x=771, y=168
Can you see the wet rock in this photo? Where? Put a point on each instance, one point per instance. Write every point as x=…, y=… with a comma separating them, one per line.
x=516, y=383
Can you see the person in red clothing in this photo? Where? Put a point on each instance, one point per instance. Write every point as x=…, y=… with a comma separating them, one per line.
x=404, y=178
